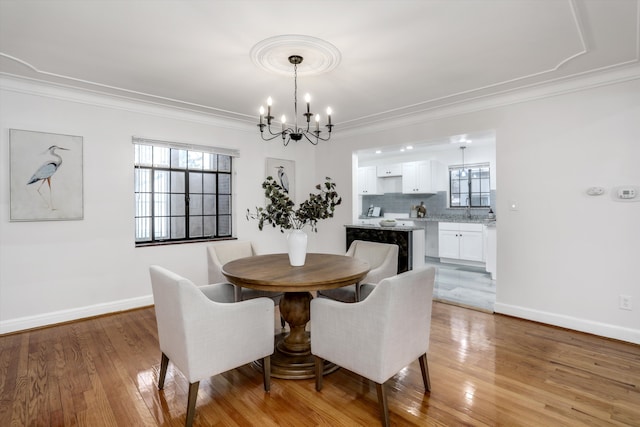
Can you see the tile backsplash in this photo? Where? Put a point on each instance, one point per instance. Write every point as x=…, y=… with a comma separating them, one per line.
x=436, y=204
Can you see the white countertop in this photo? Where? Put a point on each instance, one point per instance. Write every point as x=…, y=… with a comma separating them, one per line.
x=379, y=227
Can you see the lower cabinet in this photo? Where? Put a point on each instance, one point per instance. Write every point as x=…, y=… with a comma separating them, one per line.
x=461, y=241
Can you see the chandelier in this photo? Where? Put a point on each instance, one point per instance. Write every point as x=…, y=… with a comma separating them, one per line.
x=295, y=133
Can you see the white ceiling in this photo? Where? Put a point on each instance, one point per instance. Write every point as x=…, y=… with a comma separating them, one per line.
x=397, y=57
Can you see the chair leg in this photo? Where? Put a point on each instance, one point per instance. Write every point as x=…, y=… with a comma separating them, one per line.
x=319, y=363
x=164, y=362
x=382, y=401
x=191, y=404
x=266, y=372
x=424, y=367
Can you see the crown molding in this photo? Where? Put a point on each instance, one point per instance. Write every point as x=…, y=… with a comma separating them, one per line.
x=561, y=86
x=156, y=107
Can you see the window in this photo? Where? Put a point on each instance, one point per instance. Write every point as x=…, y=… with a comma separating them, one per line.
x=469, y=186
x=182, y=193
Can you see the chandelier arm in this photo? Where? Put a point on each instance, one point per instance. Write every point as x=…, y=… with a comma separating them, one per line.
x=287, y=130
x=317, y=136
x=269, y=139
x=306, y=135
x=274, y=135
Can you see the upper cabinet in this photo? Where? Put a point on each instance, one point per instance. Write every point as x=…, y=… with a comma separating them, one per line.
x=387, y=171
x=367, y=180
x=421, y=177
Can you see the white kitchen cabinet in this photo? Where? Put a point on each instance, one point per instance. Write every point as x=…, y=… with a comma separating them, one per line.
x=431, y=246
x=461, y=241
x=387, y=171
x=448, y=243
x=490, y=245
x=421, y=177
x=367, y=180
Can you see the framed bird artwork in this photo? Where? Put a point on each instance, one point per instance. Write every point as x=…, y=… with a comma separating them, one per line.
x=284, y=172
x=46, y=172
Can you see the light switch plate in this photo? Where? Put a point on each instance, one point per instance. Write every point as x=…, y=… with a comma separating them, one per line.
x=595, y=191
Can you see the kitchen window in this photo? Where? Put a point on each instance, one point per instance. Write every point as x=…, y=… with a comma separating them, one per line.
x=182, y=192
x=469, y=186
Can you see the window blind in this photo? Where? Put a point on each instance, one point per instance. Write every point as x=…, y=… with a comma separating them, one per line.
x=186, y=146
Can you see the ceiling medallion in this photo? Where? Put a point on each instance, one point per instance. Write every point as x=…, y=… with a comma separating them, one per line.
x=272, y=54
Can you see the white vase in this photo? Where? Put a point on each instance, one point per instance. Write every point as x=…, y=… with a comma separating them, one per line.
x=297, y=242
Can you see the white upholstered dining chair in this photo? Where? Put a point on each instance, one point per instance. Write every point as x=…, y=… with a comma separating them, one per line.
x=383, y=259
x=220, y=253
x=379, y=336
x=194, y=332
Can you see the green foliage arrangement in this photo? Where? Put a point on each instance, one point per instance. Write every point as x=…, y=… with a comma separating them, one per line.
x=281, y=212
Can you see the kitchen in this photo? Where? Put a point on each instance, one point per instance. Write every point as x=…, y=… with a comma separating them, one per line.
x=408, y=189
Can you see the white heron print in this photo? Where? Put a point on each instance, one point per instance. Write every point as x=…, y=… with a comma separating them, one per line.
x=46, y=176
x=283, y=178
x=45, y=172
x=283, y=171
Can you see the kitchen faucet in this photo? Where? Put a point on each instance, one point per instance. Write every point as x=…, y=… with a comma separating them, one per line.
x=467, y=209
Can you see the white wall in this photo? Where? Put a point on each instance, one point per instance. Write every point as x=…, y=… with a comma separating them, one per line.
x=60, y=270
x=563, y=257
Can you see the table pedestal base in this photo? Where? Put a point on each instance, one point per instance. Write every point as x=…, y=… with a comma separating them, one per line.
x=293, y=367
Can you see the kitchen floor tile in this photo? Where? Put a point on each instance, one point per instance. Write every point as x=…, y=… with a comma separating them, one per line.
x=470, y=287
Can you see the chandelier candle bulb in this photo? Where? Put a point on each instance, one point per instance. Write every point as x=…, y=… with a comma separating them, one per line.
x=317, y=122
x=307, y=99
x=261, y=114
x=284, y=121
x=329, y=115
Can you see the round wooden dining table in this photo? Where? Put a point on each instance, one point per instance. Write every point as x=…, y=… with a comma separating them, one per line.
x=292, y=357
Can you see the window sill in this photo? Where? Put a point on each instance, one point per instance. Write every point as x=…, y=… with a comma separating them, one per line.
x=180, y=242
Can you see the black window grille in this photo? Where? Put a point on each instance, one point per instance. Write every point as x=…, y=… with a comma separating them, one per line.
x=181, y=194
x=469, y=186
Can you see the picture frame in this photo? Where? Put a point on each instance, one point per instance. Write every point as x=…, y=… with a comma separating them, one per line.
x=284, y=172
x=46, y=176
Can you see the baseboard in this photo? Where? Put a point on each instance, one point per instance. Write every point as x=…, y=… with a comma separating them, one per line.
x=454, y=261
x=574, y=323
x=46, y=319
x=459, y=304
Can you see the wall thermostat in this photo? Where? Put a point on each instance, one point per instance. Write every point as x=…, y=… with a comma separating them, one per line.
x=626, y=193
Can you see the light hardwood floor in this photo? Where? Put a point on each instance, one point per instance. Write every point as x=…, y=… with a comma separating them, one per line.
x=486, y=370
